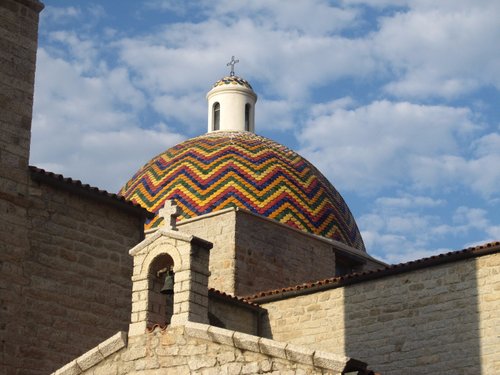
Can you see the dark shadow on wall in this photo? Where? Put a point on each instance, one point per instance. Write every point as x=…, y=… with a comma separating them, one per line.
x=422, y=321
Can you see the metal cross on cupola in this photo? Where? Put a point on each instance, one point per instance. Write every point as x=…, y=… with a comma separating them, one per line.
x=232, y=63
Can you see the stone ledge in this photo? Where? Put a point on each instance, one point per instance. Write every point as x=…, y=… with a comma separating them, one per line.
x=89, y=359
x=113, y=344
x=329, y=360
x=246, y=342
x=221, y=335
x=300, y=354
x=291, y=352
x=272, y=348
x=94, y=355
x=170, y=234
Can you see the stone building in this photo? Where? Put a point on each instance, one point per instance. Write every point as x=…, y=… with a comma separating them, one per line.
x=227, y=253
x=63, y=244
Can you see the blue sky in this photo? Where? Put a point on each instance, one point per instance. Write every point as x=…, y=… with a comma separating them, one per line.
x=396, y=102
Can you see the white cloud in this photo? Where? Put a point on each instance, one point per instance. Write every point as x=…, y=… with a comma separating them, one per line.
x=61, y=14
x=181, y=8
x=296, y=15
x=426, y=49
x=83, y=52
x=326, y=109
x=370, y=147
x=189, y=110
x=87, y=127
x=286, y=63
x=466, y=220
x=274, y=115
x=408, y=201
x=479, y=172
x=400, y=233
x=441, y=48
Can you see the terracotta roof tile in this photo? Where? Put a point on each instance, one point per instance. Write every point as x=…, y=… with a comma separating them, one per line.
x=234, y=299
x=39, y=174
x=334, y=282
x=154, y=327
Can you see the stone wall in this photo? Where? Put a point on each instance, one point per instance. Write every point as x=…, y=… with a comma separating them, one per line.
x=252, y=254
x=202, y=349
x=443, y=319
x=18, y=44
x=233, y=316
x=218, y=229
x=270, y=255
x=76, y=287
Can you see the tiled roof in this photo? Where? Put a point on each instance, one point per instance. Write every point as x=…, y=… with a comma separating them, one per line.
x=339, y=281
x=232, y=299
x=76, y=186
x=220, y=170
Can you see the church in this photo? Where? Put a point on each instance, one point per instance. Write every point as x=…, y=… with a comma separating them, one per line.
x=225, y=254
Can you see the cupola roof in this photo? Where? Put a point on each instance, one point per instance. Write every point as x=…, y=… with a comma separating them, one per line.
x=233, y=80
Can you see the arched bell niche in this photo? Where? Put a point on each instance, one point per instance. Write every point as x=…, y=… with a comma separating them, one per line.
x=160, y=290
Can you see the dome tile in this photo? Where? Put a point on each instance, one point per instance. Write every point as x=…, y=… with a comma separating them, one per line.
x=241, y=169
x=233, y=80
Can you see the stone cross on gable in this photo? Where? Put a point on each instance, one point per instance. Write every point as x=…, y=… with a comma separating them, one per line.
x=169, y=212
x=232, y=63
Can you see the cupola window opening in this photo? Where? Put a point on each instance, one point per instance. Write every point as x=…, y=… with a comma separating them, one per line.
x=216, y=116
x=247, y=117
x=236, y=96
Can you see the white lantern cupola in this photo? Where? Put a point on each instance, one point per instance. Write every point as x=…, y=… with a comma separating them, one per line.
x=231, y=104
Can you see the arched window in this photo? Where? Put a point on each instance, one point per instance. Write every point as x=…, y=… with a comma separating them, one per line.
x=216, y=116
x=247, y=117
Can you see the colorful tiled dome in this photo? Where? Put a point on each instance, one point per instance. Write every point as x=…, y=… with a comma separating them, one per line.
x=233, y=80
x=241, y=169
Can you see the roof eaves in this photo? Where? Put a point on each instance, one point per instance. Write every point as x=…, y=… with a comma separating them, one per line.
x=214, y=293
x=94, y=193
x=353, y=278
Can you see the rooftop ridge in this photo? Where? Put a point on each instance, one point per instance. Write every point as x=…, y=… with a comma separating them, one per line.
x=356, y=277
x=77, y=186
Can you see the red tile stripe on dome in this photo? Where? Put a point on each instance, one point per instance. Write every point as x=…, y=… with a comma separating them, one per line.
x=241, y=169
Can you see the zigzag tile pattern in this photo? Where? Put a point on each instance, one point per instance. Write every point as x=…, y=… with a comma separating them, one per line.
x=241, y=169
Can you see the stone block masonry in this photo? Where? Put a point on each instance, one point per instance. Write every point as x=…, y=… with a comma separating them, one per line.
x=234, y=317
x=72, y=283
x=435, y=320
x=202, y=349
x=218, y=229
x=271, y=255
x=18, y=44
x=252, y=253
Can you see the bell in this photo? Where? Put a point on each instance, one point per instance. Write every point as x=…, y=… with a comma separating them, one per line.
x=168, y=286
